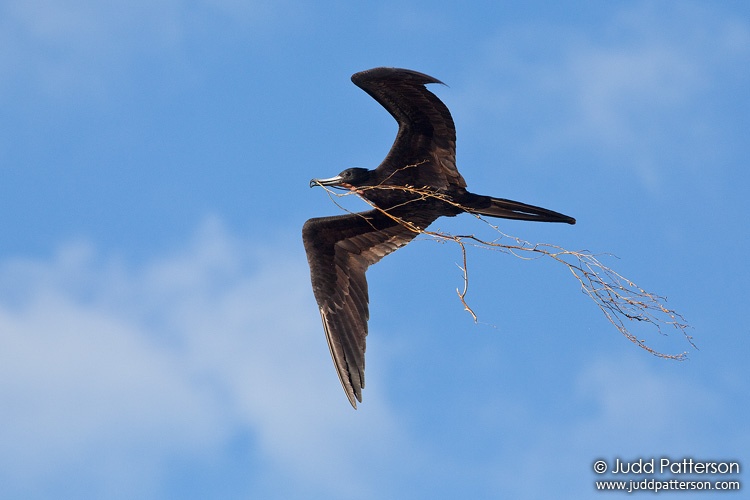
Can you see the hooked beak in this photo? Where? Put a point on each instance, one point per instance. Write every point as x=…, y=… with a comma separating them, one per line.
x=333, y=181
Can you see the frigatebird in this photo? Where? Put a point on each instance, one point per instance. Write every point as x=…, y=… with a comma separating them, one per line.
x=421, y=160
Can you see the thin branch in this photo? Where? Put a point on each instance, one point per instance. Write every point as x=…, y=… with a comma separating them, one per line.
x=620, y=299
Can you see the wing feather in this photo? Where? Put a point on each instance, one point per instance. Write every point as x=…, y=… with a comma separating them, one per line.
x=339, y=251
x=424, y=152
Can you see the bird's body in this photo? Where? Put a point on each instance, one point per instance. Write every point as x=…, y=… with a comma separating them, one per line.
x=415, y=184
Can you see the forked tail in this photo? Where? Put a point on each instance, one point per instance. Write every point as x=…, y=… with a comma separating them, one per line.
x=509, y=209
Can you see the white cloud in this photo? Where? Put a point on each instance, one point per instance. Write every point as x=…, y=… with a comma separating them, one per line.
x=55, y=47
x=82, y=46
x=109, y=372
x=624, y=408
x=632, y=400
x=638, y=88
x=615, y=83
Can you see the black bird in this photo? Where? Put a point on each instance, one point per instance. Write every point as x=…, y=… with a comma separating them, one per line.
x=341, y=248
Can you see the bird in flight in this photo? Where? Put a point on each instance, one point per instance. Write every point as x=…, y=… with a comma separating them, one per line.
x=341, y=248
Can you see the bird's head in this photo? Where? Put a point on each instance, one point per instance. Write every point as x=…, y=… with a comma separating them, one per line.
x=349, y=179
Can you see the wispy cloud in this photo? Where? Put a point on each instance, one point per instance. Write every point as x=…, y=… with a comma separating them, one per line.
x=58, y=47
x=625, y=408
x=112, y=373
x=640, y=84
x=54, y=47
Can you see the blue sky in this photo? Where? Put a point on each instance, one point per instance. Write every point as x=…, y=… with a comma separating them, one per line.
x=158, y=334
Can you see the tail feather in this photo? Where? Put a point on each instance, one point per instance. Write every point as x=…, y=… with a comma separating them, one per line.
x=509, y=209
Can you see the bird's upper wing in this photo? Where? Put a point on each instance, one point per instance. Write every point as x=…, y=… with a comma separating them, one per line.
x=339, y=250
x=424, y=153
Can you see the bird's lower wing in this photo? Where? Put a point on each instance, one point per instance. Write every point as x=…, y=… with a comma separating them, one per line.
x=339, y=251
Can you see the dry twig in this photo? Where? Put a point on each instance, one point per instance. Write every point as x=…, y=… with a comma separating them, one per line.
x=619, y=298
